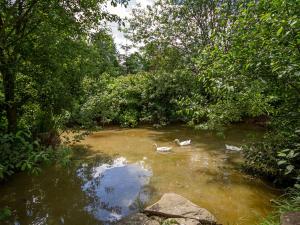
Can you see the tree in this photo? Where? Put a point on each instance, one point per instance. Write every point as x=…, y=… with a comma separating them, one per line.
x=25, y=21
x=257, y=74
x=184, y=27
x=134, y=63
x=105, y=54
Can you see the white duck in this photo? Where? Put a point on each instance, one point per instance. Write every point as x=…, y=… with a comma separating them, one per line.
x=233, y=148
x=162, y=149
x=183, y=143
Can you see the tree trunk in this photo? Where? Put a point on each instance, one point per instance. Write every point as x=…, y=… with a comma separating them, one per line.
x=9, y=79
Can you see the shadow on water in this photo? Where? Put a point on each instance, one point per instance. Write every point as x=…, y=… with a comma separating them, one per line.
x=96, y=189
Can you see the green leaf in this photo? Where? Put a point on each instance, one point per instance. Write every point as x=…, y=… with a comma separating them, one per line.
x=281, y=162
x=23, y=167
x=279, y=31
x=5, y=213
x=281, y=154
x=291, y=154
x=289, y=169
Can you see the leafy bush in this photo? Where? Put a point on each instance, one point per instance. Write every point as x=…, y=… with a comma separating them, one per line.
x=129, y=118
x=19, y=152
x=277, y=156
x=5, y=213
x=139, y=98
x=256, y=73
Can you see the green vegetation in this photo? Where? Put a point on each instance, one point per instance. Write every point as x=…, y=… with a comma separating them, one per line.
x=169, y=222
x=290, y=202
x=5, y=213
x=46, y=52
x=131, y=99
x=19, y=152
x=207, y=63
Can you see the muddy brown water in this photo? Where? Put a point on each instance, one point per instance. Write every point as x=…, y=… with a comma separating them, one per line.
x=116, y=172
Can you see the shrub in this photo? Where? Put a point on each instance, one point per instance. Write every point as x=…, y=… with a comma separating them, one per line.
x=20, y=152
x=131, y=99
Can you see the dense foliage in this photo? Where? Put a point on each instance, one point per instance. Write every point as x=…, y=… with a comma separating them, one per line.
x=20, y=152
x=46, y=50
x=260, y=75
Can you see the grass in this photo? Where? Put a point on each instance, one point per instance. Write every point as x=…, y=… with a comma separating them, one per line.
x=289, y=202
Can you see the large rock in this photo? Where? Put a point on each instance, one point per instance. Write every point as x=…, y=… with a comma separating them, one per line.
x=290, y=218
x=172, y=205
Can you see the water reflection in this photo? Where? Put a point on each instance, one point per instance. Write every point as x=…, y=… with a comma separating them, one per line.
x=116, y=189
x=97, y=191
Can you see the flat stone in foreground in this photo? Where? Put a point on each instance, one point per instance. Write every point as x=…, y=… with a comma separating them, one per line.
x=290, y=218
x=172, y=205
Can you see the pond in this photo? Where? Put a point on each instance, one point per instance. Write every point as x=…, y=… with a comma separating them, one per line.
x=117, y=172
